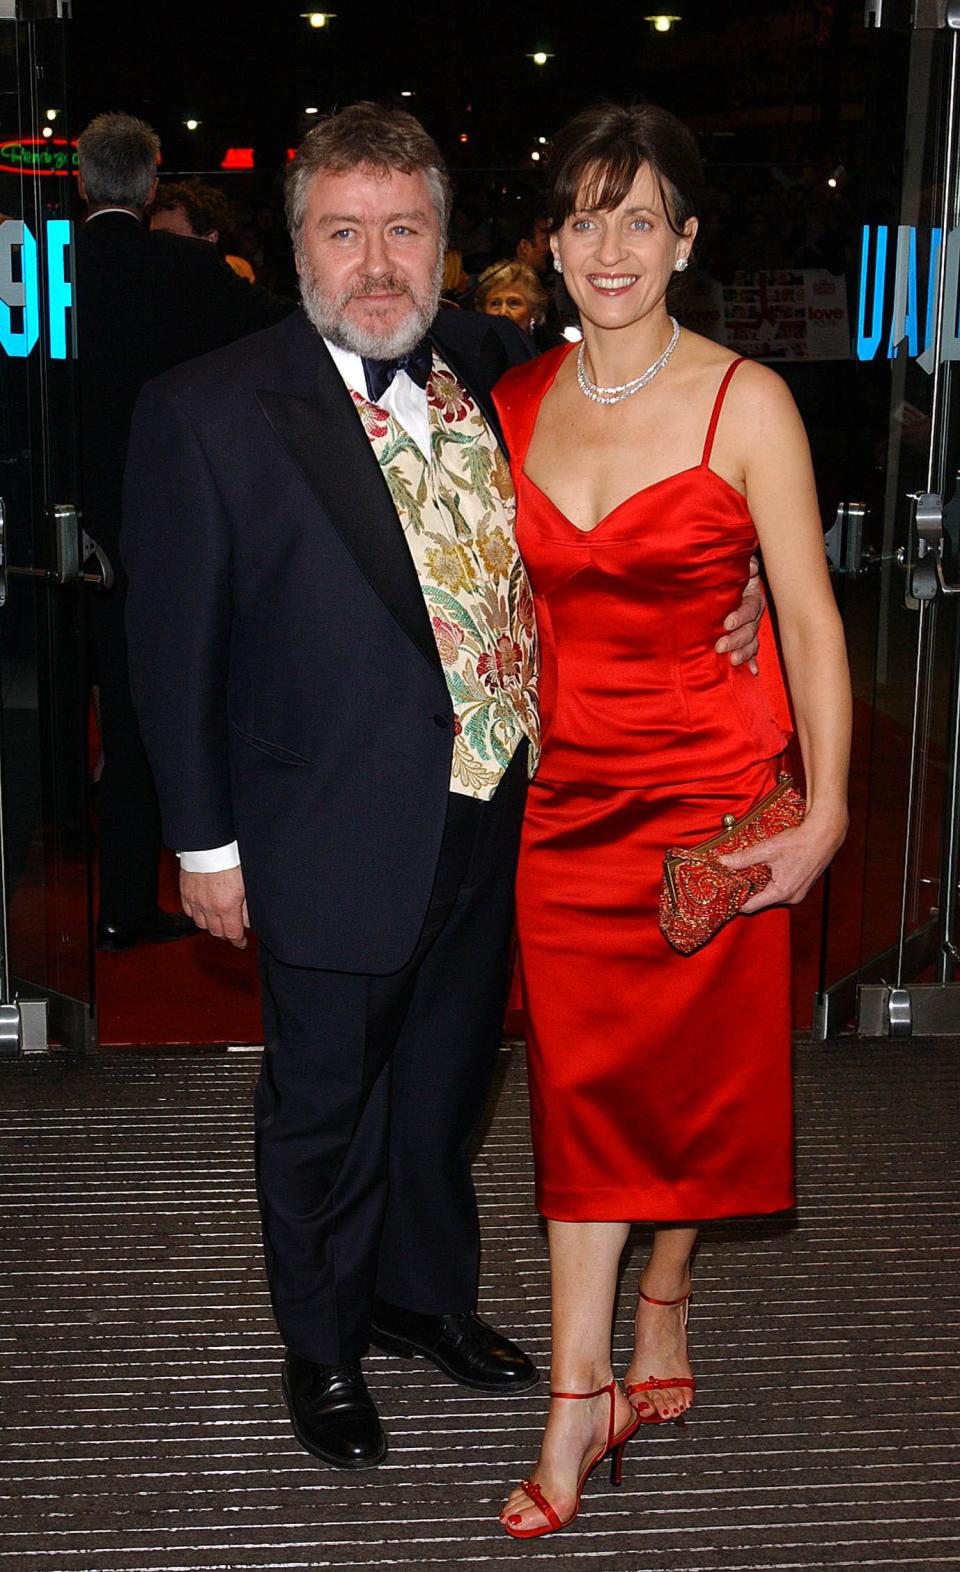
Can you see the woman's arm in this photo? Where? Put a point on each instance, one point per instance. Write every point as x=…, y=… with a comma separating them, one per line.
x=782, y=498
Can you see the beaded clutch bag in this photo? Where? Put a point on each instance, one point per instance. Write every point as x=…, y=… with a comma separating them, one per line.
x=698, y=894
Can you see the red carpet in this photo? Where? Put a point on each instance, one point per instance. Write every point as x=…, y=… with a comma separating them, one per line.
x=197, y=990
x=202, y=991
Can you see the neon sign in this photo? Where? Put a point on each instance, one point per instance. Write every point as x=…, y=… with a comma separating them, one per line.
x=38, y=155
x=903, y=317
x=20, y=296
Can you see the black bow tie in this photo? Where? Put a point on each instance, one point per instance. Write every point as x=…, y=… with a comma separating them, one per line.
x=417, y=363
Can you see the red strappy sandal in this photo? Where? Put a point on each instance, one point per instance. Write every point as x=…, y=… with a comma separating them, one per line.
x=661, y=1382
x=613, y=1447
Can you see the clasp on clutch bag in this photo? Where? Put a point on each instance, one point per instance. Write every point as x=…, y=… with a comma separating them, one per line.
x=711, y=893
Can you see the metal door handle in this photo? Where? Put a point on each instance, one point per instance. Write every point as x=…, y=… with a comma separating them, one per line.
x=91, y=551
x=844, y=539
x=933, y=553
x=72, y=550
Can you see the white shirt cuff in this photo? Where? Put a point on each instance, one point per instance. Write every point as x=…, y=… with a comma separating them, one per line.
x=217, y=860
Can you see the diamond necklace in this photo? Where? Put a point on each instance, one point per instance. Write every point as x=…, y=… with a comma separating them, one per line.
x=616, y=395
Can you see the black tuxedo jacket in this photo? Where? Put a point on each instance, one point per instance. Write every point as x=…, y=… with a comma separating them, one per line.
x=146, y=300
x=288, y=684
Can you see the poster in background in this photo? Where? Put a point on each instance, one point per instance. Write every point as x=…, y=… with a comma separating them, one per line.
x=777, y=314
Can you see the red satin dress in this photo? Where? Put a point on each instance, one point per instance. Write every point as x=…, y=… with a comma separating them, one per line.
x=660, y=1084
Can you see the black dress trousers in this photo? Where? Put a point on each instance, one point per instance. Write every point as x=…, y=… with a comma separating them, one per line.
x=370, y=1091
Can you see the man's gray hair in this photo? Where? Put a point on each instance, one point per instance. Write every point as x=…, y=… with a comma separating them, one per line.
x=370, y=136
x=118, y=156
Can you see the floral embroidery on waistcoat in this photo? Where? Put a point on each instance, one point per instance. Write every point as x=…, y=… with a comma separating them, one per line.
x=458, y=518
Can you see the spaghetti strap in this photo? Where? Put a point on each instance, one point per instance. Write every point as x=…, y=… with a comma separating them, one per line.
x=717, y=406
x=518, y=396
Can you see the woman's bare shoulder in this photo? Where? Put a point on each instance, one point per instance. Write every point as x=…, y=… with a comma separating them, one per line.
x=759, y=394
x=703, y=354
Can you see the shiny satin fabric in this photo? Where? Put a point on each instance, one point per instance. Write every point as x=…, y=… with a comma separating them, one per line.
x=660, y=1083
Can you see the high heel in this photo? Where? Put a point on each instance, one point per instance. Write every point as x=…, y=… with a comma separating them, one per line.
x=659, y=1383
x=613, y=1448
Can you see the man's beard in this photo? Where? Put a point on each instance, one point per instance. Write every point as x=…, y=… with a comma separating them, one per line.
x=328, y=313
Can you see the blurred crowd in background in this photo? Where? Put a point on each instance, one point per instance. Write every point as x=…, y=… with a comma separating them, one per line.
x=801, y=213
x=757, y=216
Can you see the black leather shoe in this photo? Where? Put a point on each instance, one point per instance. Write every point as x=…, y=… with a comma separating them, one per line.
x=333, y=1414
x=159, y=928
x=462, y=1345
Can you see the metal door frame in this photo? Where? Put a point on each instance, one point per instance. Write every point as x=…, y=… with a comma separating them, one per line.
x=877, y=993
x=32, y=1014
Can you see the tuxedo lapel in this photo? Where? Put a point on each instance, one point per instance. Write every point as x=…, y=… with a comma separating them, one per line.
x=471, y=369
x=327, y=442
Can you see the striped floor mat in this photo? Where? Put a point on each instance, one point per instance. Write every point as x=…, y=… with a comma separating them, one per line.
x=143, y=1427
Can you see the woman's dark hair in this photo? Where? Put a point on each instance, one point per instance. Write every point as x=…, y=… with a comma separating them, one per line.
x=597, y=155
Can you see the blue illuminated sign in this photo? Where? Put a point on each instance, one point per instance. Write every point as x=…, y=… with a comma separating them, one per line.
x=20, y=293
x=895, y=313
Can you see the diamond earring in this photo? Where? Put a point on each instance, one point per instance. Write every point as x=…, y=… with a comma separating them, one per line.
x=680, y=265
x=557, y=265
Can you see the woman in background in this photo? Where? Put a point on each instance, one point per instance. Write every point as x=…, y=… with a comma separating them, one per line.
x=512, y=289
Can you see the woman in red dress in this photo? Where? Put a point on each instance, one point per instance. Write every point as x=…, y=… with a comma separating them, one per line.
x=650, y=463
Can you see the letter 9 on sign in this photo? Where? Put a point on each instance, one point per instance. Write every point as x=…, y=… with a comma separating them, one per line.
x=26, y=293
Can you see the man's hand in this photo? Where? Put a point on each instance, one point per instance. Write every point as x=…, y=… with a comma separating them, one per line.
x=740, y=638
x=216, y=902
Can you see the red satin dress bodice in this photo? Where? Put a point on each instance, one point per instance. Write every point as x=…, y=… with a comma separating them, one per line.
x=631, y=687
x=660, y=1084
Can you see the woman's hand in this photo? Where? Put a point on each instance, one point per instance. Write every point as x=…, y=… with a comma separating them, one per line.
x=796, y=858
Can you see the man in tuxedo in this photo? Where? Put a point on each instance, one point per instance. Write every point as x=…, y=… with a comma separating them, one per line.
x=334, y=663
x=145, y=302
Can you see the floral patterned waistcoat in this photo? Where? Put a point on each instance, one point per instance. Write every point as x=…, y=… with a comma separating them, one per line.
x=457, y=513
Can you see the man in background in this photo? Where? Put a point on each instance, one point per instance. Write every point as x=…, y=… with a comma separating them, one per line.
x=193, y=208
x=145, y=302
x=523, y=234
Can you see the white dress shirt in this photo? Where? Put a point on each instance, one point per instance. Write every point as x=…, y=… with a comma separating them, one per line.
x=407, y=402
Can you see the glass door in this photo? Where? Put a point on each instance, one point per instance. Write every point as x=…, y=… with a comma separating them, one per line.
x=889, y=940
x=46, y=952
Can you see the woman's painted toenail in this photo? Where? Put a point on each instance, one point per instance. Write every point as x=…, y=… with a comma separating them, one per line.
x=514, y=1517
